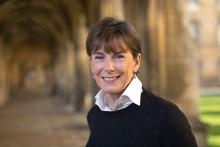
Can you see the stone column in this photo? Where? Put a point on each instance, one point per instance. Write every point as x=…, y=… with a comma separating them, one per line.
x=171, y=74
x=3, y=86
x=156, y=46
x=181, y=70
x=83, y=95
x=113, y=8
x=185, y=59
x=63, y=71
x=135, y=13
x=174, y=76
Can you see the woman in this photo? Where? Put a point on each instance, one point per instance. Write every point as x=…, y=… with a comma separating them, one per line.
x=125, y=114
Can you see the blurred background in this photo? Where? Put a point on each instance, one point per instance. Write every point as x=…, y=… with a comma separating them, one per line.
x=46, y=87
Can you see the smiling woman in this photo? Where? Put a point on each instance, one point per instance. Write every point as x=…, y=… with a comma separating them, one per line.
x=125, y=114
x=114, y=66
x=115, y=51
x=113, y=72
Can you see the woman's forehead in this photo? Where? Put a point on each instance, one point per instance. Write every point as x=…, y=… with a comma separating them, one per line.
x=112, y=46
x=113, y=50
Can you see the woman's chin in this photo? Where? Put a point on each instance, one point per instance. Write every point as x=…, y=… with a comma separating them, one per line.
x=111, y=91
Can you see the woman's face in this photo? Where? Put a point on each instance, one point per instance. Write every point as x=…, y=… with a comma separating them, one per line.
x=114, y=71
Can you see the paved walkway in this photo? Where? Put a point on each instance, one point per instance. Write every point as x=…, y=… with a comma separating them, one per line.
x=210, y=91
x=40, y=121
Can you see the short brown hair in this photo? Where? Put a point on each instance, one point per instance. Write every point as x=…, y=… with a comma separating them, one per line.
x=112, y=34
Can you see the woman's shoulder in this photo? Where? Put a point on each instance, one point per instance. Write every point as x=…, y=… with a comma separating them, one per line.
x=92, y=111
x=158, y=105
x=149, y=98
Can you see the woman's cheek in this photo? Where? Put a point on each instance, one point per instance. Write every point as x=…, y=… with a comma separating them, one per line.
x=97, y=68
x=119, y=67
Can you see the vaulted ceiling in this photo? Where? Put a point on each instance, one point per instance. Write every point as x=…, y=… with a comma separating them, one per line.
x=36, y=21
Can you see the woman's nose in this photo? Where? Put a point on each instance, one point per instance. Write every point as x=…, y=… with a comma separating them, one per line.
x=109, y=67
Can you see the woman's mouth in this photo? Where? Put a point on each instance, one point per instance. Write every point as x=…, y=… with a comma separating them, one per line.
x=109, y=79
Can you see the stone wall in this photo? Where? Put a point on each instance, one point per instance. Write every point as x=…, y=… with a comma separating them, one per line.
x=3, y=84
x=201, y=20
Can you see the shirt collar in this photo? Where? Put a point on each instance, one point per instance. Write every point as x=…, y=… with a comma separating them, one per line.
x=133, y=92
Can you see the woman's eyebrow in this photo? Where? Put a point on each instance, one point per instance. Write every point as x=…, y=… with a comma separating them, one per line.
x=98, y=53
x=120, y=52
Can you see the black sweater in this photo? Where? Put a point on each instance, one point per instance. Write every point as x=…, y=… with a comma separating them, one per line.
x=156, y=123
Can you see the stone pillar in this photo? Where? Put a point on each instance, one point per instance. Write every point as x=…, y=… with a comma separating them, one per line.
x=113, y=8
x=168, y=55
x=64, y=71
x=174, y=76
x=3, y=86
x=81, y=58
x=180, y=62
x=156, y=46
x=183, y=79
x=138, y=17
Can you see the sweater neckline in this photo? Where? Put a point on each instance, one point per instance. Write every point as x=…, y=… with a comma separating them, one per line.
x=124, y=110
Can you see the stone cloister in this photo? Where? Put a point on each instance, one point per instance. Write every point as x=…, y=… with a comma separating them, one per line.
x=42, y=50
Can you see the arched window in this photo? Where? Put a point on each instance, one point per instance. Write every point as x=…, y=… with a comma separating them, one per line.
x=194, y=29
x=218, y=3
x=218, y=67
x=218, y=33
x=193, y=4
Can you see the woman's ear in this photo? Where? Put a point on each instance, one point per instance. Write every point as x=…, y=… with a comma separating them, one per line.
x=137, y=63
x=91, y=67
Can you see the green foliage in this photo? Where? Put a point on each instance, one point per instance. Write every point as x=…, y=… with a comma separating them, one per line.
x=210, y=113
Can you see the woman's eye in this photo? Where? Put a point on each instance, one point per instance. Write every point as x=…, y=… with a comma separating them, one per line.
x=99, y=57
x=119, y=56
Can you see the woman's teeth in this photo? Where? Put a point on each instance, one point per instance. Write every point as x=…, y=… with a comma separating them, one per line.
x=110, y=78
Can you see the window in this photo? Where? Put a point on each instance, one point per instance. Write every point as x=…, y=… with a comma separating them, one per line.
x=218, y=33
x=218, y=3
x=218, y=67
x=193, y=4
x=194, y=29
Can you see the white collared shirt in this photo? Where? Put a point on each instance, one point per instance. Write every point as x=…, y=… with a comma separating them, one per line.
x=132, y=94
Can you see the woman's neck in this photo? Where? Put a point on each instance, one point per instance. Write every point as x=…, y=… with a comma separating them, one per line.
x=111, y=101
